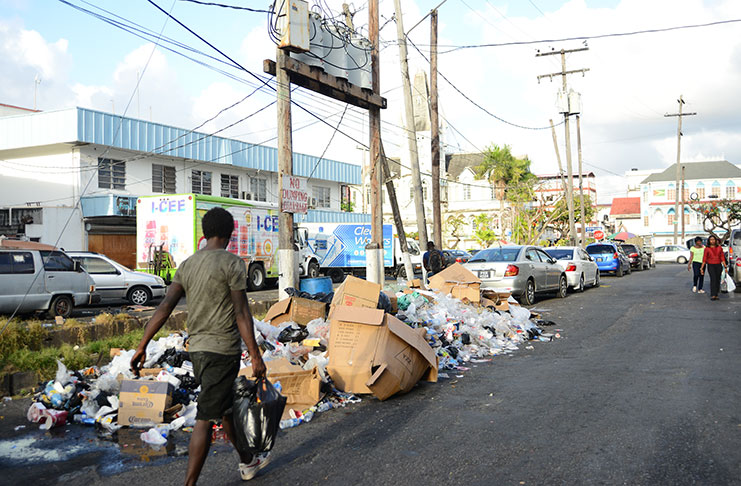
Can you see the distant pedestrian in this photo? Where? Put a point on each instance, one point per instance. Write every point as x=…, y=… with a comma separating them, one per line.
x=714, y=259
x=432, y=259
x=695, y=264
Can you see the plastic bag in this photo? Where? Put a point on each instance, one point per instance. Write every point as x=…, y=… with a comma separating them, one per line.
x=730, y=285
x=257, y=411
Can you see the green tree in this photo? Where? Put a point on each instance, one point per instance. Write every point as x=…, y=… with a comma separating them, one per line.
x=454, y=226
x=719, y=217
x=560, y=214
x=505, y=171
x=484, y=232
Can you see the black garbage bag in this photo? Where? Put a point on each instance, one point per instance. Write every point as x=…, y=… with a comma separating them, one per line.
x=319, y=296
x=293, y=334
x=384, y=303
x=257, y=409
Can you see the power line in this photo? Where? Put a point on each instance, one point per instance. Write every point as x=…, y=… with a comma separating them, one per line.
x=235, y=7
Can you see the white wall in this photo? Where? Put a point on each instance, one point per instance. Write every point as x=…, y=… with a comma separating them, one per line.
x=56, y=230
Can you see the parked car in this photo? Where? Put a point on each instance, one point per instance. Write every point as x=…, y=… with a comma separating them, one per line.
x=116, y=282
x=36, y=277
x=672, y=253
x=522, y=270
x=649, y=251
x=734, y=257
x=637, y=257
x=579, y=266
x=453, y=256
x=609, y=257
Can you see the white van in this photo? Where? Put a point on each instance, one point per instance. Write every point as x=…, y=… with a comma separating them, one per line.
x=36, y=277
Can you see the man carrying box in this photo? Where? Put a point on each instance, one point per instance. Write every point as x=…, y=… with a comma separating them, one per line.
x=214, y=282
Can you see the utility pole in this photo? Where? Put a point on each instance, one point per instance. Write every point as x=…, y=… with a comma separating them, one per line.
x=563, y=74
x=374, y=250
x=558, y=157
x=682, y=206
x=391, y=190
x=437, y=221
x=581, y=184
x=287, y=265
x=419, y=204
x=679, y=116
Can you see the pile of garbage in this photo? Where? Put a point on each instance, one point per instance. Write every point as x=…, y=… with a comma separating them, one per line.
x=321, y=352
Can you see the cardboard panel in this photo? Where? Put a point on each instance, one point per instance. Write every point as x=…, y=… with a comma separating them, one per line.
x=295, y=309
x=356, y=292
x=143, y=401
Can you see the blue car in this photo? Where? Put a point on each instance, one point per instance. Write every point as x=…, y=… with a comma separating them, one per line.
x=609, y=257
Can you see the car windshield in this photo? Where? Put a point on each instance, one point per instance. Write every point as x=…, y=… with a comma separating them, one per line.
x=737, y=237
x=496, y=255
x=630, y=249
x=600, y=249
x=561, y=254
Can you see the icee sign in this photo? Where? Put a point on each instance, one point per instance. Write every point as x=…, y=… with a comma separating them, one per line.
x=295, y=199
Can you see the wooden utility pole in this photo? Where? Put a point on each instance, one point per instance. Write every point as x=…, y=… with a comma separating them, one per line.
x=374, y=250
x=681, y=209
x=581, y=184
x=558, y=156
x=419, y=204
x=679, y=116
x=437, y=221
x=563, y=74
x=391, y=191
x=287, y=264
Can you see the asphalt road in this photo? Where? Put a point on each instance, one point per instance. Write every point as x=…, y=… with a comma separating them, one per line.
x=643, y=388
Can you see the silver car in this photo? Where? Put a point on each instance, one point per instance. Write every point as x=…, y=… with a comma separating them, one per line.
x=115, y=282
x=579, y=267
x=522, y=270
x=672, y=253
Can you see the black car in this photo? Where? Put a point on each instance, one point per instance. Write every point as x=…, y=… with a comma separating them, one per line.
x=638, y=258
x=453, y=256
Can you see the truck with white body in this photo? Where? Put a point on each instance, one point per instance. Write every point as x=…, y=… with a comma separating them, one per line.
x=169, y=230
x=341, y=249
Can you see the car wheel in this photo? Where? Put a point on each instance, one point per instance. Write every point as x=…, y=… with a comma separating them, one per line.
x=596, y=279
x=563, y=287
x=581, y=283
x=313, y=270
x=630, y=270
x=61, y=306
x=337, y=275
x=256, y=277
x=682, y=260
x=139, y=296
x=619, y=271
x=528, y=296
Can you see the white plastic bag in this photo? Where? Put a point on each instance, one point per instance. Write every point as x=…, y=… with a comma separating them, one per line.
x=730, y=285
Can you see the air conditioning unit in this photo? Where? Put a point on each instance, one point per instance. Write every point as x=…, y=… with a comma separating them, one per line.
x=312, y=203
x=246, y=196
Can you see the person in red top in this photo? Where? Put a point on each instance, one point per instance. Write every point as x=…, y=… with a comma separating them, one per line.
x=715, y=260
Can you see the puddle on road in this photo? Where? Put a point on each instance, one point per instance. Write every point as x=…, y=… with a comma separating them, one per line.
x=112, y=454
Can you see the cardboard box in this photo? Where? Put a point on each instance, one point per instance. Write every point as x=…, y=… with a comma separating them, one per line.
x=394, y=301
x=415, y=283
x=374, y=352
x=295, y=309
x=301, y=388
x=143, y=401
x=458, y=281
x=356, y=292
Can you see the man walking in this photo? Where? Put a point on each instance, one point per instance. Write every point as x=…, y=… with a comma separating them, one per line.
x=432, y=259
x=219, y=317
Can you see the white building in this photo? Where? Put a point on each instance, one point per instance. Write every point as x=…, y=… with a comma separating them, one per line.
x=704, y=181
x=51, y=161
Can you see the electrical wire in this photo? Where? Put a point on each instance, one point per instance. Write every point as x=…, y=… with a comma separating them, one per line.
x=212, y=4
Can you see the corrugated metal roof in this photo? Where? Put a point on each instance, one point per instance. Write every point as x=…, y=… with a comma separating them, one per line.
x=97, y=127
x=720, y=169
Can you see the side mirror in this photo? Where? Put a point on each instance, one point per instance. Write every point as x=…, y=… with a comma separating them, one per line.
x=77, y=267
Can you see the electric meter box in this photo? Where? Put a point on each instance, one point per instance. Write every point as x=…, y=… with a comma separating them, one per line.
x=293, y=25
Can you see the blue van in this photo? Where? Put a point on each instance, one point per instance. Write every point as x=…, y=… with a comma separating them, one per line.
x=609, y=257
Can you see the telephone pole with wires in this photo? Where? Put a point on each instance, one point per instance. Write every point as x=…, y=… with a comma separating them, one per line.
x=679, y=116
x=563, y=73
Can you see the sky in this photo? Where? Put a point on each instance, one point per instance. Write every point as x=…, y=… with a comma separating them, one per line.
x=632, y=82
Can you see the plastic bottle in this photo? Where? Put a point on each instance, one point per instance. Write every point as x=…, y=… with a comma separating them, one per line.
x=289, y=423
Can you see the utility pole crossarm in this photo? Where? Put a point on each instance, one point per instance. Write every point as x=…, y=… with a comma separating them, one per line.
x=560, y=73
x=561, y=51
x=680, y=114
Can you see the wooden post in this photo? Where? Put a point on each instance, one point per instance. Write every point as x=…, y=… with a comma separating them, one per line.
x=374, y=250
x=681, y=209
x=391, y=190
x=569, y=172
x=679, y=116
x=437, y=222
x=287, y=264
x=581, y=184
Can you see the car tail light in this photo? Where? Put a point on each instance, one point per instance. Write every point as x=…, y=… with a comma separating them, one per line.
x=615, y=256
x=512, y=270
x=633, y=255
x=738, y=262
x=459, y=260
x=571, y=267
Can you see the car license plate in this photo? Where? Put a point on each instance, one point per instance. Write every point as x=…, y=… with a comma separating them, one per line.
x=484, y=273
x=599, y=259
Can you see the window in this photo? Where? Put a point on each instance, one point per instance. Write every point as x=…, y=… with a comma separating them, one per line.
x=715, y=189
x=466, y=192
x=670, y=217
x=700, y=190
x=424, y=190
x=200, y=182
x=532, y=255
x=16, y=262
x=230, y=186
x=491, y=193
x=685, y=192
x=56, y=261
x=259, y=188
x=322, y=195
x=96, y=266
x=163, y=178
x=345, y=198
x=671, y=193
x=111, y=174
x=730, y=190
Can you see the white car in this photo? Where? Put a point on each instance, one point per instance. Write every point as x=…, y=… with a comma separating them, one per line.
x=115, y=282
x=672, y=253
x=581, y=271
